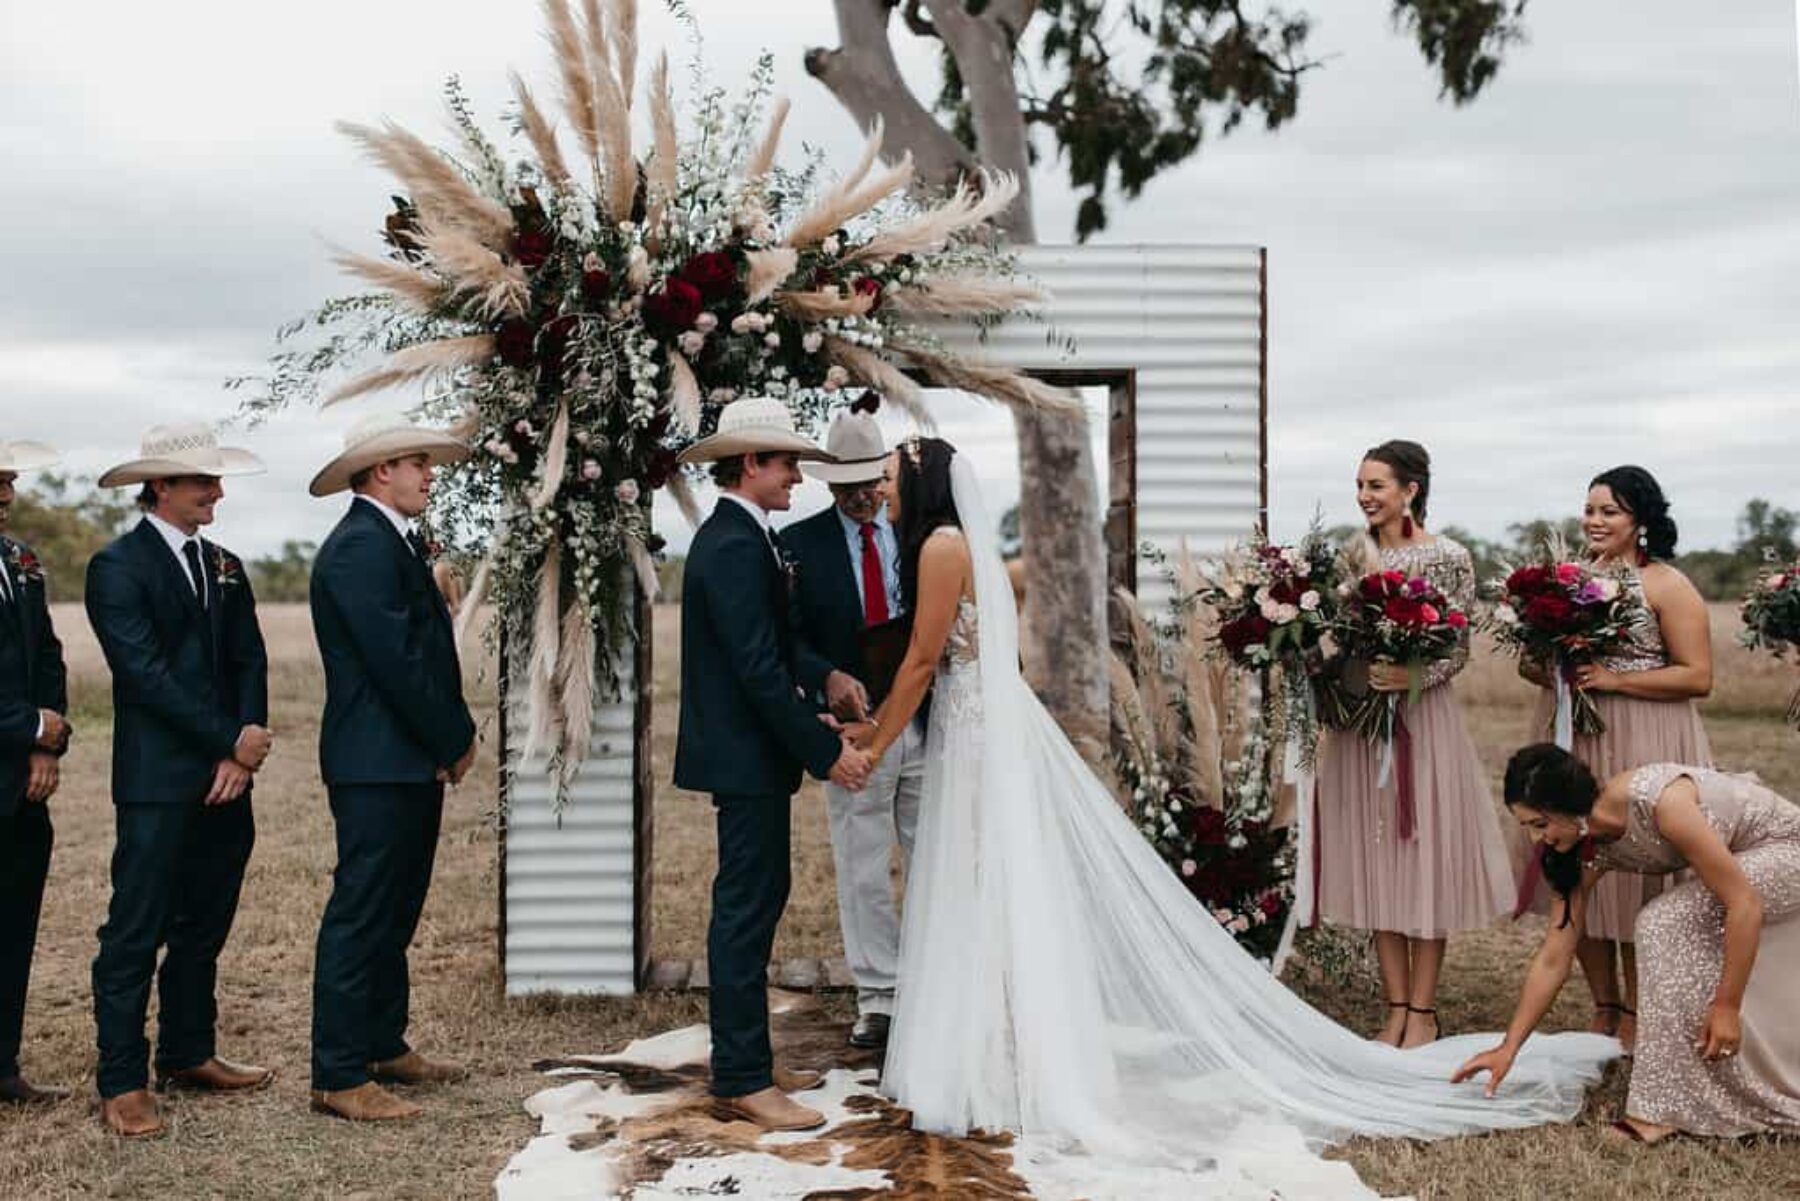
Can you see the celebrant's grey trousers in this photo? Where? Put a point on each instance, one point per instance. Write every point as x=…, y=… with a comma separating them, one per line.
x=864, y=829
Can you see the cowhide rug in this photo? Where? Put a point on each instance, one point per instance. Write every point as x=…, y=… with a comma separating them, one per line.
x=639, y=1124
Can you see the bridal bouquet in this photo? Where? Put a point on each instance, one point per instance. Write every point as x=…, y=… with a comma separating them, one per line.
x=1771, y=615
x=1565, y=613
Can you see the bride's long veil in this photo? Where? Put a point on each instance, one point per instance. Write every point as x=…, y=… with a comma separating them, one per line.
x=1133, y=1020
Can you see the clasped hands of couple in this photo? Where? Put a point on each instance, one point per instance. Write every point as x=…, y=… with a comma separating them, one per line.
x=847, y=702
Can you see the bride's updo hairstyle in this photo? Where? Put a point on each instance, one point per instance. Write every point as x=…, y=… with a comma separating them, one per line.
x=925, y=504
x=1640, y=495
x=1549, y=779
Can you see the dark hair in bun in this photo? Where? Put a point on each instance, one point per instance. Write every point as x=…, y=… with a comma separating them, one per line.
x=1411, y=464
x=1640, y=495
x=1551, y=780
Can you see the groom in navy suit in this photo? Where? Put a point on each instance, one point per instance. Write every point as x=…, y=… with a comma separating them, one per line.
x=396, y=730
x=746, y=733
x=176, y=619
x=33, y=736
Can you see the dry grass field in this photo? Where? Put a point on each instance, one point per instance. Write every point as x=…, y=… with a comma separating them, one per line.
x=268, y=1145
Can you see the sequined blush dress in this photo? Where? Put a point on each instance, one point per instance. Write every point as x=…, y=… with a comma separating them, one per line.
x=1455, y=872
x=1638, y=731
x=1681, y=948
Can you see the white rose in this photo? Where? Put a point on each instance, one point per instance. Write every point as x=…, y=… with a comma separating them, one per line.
x=1285, y=614
x=1262, y=595
x=627, y=491
x=706, y=323
x=1309, y=601
x=837, y=375
x=812, y=342
x=772, y=340
x=740, y=324
x=692, y=342
x=1189, y=867
x=830, y=246
x=590, y=261
x=1239, y=925
x=1270, y=611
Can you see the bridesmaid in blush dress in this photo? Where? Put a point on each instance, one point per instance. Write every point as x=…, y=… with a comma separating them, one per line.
x=1451, y=871
x=1718, y=1050
x=1646, y=697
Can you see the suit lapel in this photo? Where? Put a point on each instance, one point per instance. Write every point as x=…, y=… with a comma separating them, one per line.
x=417, y=566
x=215, y=597
x=150, y=545
x=20, y=626
x=849, y=599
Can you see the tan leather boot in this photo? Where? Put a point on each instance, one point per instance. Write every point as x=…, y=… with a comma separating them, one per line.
x=414, y=1068
x=218, y=1076
x=796, y=1080
x=367, y=1102
x=132, y=1115
x=770, y=1108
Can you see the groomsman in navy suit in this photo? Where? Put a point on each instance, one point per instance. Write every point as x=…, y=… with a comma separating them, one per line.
x=176, y=619
x=396, y=730
x=33, y=736
x=746, y=733
x=853, y=637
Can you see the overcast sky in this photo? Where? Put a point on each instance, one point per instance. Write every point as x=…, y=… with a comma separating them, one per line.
x=1596, y=263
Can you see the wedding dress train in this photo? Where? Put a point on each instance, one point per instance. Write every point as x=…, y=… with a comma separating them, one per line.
x=1058, y=980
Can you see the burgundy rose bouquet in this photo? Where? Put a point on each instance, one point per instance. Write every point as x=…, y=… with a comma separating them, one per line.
x=1771, y=615
x=1563, y=614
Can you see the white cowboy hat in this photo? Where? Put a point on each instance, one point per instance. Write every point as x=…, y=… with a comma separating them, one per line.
x=379, y=438
x=858, y=453
x=27, y=456
x=752, y=425
x=190, y=448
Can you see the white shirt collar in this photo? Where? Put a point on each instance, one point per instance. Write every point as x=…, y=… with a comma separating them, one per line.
x=854, y=527
x=175, y=538
x=751, y=507
x=400, y=523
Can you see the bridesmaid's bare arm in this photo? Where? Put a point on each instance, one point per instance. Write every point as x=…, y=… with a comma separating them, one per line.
x=944, y=571
x=1687, y=633
x=1678, y=819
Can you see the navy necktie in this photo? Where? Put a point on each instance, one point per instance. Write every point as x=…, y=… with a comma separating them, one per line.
x=190, y=550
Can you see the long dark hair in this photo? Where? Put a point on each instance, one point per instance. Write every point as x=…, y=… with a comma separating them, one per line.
x=1411, y=464
x=1640, y=495
x=925, y=504
x=1551, y=780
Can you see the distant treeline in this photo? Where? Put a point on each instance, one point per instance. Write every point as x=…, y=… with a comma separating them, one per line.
x=67, y=520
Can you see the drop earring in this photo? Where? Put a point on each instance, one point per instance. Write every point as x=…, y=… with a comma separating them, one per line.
x=1643, y=549
x=1406, y=525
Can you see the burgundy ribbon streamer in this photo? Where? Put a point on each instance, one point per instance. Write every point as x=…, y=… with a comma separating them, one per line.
x=1318, y=862
x=1405, y=813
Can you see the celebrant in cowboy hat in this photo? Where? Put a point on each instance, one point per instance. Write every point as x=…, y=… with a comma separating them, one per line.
x=175, y=615
x=396, y=730
x=745, y=736
x=853, y=635
x=34, y=734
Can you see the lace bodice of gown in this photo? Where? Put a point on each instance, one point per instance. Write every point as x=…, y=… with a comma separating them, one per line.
x=1740, y=809
x=1644, y=648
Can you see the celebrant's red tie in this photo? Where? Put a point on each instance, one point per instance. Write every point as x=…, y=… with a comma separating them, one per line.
x=875, y=606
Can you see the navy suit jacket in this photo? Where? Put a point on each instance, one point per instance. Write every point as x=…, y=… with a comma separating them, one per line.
x=394, y=709
x=186, y=680
x=744, y=728
x=829, y=611
x=31, y=676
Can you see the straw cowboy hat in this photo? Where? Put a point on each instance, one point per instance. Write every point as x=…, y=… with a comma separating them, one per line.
x=191, y=448
x=27, y=456
x=382, y=437
x=753, y=425
x=858, y=454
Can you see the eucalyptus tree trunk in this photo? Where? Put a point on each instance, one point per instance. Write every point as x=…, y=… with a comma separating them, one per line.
x=1063, y=636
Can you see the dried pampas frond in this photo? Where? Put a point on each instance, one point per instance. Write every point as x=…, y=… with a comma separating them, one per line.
x=763, y=160
x=540, y=670
x=577, y=81
x=575, y=692
x=869, y=368
x=417, y=362
x=496, y=288
x=664, y=169
x=645, y=566
x=433, y=183
x=464, y=427
x=472, y=602
x=612, y=111
x=556, y=458
x=963, y=296
x=768, y=270
x=542, y=135
x=840, y=208
x=996, y=383
x=683, y=496
x=824, y=303
x=623, y=16
x=932, y=230
x=684, y=395
x=416, y=290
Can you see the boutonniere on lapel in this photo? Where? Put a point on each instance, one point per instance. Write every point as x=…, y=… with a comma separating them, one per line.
x=790, y=570
x=228, y=570
x=25, y=566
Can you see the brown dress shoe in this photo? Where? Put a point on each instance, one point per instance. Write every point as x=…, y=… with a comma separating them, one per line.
x=16, y=1090
x=217, y=1076
x=367, y=1102
x=131, y=1115
x=770, y=1108
x=414, y=1068
x=796, y=1080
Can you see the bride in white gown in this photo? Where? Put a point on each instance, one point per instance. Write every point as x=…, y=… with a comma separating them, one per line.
x=1057, y=980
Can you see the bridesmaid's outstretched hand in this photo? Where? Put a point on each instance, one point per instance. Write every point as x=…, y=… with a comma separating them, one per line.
x=1497, y=1063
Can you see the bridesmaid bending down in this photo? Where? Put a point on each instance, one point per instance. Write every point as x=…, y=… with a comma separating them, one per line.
x=1718, y=1049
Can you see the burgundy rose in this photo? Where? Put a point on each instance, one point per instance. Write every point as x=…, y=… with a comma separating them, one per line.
x=1527, y=580
x=661, y=467
x=1549, y=611
x=596, y=286
x=1402, y=611
x=530, y=247
x=1209, y=826
x=516, y=338
x=868, y=285
x=1270, y=904
x=674, y=307
x=714, y=273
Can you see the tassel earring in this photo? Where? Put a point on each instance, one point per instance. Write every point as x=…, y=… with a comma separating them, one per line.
x=1406, y=525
